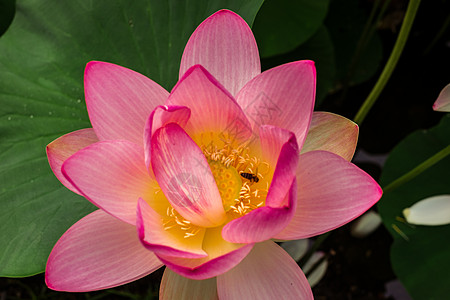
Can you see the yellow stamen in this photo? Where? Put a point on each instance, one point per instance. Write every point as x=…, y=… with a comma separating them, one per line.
x=175, y=220
x=252, y=190
x=228, y=182
x=240, y=178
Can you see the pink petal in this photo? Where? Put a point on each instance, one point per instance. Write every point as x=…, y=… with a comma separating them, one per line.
x=282, y=96
x=280, y=148
x=331, y=193
x=226, y=47
x=112, y=175
x=442, y=103
x=262, y=223
x=222, y=256
x=98, y=252
x=155, y=238
x=159, y=117
x=174, y=286
x=268, y=272
x=184, y=175
x=213, y=109
x=63, y=147
x=120, y=100
x=332, y=133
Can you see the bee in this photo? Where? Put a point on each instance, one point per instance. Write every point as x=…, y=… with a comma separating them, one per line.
x=250, y=176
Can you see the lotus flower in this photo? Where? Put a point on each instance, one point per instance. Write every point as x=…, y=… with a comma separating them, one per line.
x=204, y=178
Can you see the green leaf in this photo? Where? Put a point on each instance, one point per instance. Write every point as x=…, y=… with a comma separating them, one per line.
x=282, y=25
x=345, y=22
x=422, y=261
x=318, y=48
x=42, y=60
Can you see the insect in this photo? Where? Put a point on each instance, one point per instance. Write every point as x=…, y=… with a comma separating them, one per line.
x=250, y=176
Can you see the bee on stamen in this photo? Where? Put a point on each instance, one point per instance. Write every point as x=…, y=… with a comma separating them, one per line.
x=250, y=176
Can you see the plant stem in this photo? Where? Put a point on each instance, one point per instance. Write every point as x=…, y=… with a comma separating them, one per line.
x=391, y=63
x=417, y=170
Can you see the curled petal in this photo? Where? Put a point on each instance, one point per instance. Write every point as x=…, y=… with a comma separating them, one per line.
x=120, y=100
x=280, y=148
x=262, y=223
x=98, y=252
x=63, y=147
x=184, y=175
x=155, y=237
x=442, y=103
x=282, y=96
x=331, y=193
x=268, y=272
x=213, y=109
x=174, y=286
x=222, y=256
x=332, y=133
x=226, y=47
x=161, y=116
x=112, y=175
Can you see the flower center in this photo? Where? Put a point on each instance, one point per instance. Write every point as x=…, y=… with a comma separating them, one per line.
x=175, y=220
x=240, y=178
x=228, y=182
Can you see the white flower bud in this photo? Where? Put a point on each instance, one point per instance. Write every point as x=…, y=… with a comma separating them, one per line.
x=430, y=211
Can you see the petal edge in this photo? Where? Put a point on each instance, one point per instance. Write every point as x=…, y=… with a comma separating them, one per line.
x=78, y=264
x=224, y=44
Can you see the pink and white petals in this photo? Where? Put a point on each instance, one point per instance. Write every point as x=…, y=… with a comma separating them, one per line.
x=112, y=175
x=213, y=109
x=98, y=252
x=262, y=223
x=63, y=147
x=166, y=242
x=282, y=96
x=174, y=286
x=224, y=44
x=442, y=103
x=161, y=116
x=120, y=100
x=331, y=193
x=268, y=272
x=332, y=133
x=184, y=176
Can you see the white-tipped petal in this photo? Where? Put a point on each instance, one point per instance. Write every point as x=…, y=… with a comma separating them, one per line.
x=429, y=211
x=366, y=224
